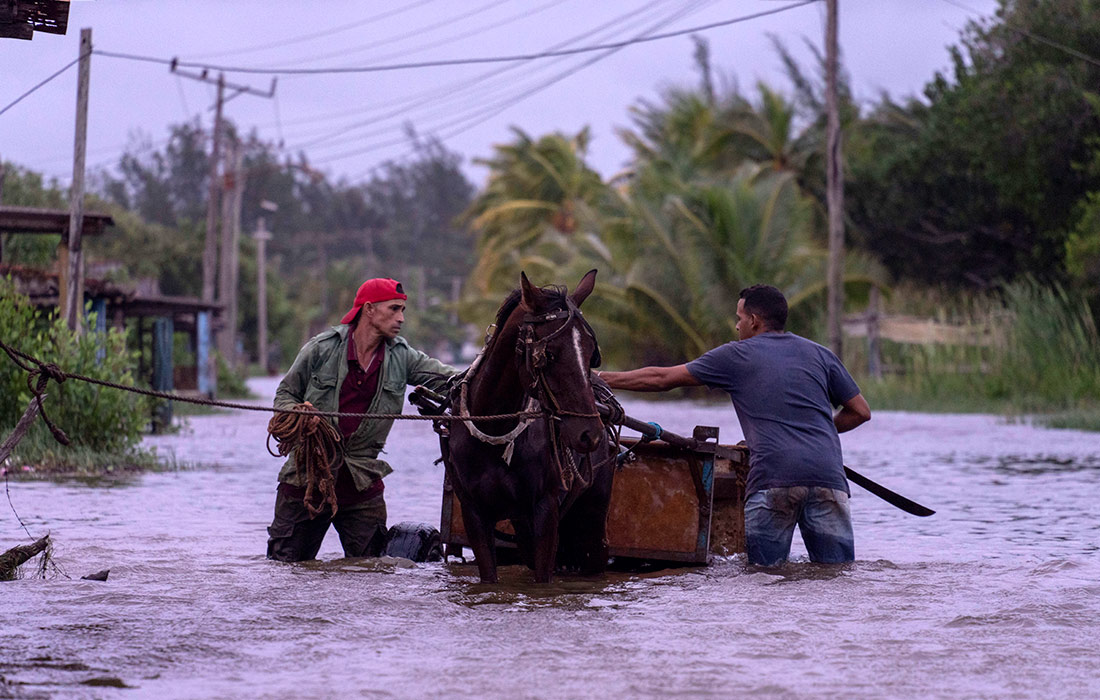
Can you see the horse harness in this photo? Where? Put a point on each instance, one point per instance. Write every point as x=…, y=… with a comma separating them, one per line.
x=536, y=358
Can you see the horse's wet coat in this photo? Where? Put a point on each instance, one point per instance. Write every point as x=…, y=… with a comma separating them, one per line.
x=551, y=364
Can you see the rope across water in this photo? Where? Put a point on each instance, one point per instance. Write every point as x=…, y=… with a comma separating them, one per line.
x=48, y=370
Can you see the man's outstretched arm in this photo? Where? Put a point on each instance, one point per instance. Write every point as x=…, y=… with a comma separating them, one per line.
x=650, y=378
x=853, y=413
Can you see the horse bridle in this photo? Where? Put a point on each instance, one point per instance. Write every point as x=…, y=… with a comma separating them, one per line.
x=536, y=359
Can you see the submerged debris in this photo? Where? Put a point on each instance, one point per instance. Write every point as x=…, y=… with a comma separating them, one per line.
x=11, y=560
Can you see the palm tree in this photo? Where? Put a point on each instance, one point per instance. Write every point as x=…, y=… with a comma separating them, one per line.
x=539, y=210
x=693, y=253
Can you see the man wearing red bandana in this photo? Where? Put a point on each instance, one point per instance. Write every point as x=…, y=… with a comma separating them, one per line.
x=360, y=366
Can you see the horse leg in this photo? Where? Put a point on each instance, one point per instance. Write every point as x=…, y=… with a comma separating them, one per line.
x=524, y=541
x=584, y=528
x=482, y=541
x=545, y=520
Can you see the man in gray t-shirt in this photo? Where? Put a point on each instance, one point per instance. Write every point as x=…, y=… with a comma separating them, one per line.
x=784, y=389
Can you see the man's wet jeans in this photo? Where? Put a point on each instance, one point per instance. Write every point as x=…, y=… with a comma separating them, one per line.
x=294, y=536
x=822, y=515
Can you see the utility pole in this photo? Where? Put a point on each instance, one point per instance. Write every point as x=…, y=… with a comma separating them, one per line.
x=834, y=184
x=71, y=293
x=262, y=236
x=232, y=192
x=210, y=247
x=3, y=173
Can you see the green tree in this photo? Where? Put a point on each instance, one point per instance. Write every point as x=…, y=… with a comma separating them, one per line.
x=695, y=251
x=979, y=183
x=540, y=207
x=24, y=188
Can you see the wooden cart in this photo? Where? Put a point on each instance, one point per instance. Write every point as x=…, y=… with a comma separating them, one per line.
x=669, y=502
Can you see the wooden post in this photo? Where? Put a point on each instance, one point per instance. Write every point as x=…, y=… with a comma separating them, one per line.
x=21, y=427
x=229, y=258
x=262, y=236
x=874, y=351
x=210, y=248
x=3, y=173
x=456, y=294
x=834, y=185
x=71, y=297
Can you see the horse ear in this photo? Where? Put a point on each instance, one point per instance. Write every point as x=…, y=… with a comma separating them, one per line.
x=584, y=288
x=532, y=295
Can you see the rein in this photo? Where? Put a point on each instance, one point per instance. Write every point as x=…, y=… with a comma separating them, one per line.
x=536, y=358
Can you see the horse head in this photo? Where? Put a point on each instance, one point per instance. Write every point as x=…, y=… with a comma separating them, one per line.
x=555, y=350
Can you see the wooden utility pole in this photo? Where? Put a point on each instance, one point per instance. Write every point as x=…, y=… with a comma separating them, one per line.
x=230, y=251
x=874, y=347
x=834, y=184
x=71, y=293
x=210, y=247
x=262, y=236
x=3, y=173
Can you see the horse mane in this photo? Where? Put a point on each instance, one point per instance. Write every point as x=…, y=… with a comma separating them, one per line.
x=554, y=292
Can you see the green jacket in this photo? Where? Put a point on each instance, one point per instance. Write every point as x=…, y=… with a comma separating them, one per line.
x=316, y=376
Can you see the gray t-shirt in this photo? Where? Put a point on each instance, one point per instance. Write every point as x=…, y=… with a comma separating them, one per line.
x=784, y=388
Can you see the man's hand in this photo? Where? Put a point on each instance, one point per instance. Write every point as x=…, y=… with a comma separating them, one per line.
x=853, y=413
x=311, y=422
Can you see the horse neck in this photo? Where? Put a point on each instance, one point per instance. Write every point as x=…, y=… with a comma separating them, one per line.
x=496, y=387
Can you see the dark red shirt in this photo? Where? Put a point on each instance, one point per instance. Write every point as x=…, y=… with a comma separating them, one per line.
x=359, y=386
x=356, y=394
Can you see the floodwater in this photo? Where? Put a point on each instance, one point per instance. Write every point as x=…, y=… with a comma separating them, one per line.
x=995, y=596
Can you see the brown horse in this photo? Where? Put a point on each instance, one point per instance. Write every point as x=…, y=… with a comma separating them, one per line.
x=549, y=475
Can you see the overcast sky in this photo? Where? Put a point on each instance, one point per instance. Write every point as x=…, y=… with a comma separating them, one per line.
x=350, y=123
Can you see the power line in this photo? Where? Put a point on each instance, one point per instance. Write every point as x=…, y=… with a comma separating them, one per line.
x=400, y=37
x=1031, y=35
x=453, y=94
x=26, y=94
x=484, y=113
x=455, y=61
x=430, y=95
x=480, y=117
x=524, y=14
x=316, y=35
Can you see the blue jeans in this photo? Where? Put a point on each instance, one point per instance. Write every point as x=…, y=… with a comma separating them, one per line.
x=822, y=515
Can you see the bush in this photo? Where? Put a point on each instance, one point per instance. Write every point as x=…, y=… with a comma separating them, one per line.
x=1046, y=359
x=94, y=417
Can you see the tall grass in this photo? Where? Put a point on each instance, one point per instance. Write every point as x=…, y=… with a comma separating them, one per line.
x=39, y=455
x=1045, y=360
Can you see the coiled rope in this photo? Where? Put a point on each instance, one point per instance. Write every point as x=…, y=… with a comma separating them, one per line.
x=315, y=445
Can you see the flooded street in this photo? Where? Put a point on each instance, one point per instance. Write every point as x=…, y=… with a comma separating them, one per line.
x=995, y=596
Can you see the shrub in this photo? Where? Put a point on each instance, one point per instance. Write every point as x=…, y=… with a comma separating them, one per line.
x=94, y=417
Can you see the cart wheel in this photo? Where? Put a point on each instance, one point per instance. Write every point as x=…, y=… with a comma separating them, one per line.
x=416, y=541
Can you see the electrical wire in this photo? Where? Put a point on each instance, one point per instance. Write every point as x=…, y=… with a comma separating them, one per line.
x=484, y=114
x=419, y=31
x=526, y=13
x=315, y=35
x=453, y=96
x=454, y=61
x=430, y=95
x=1031, y=35
x=42, y=84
